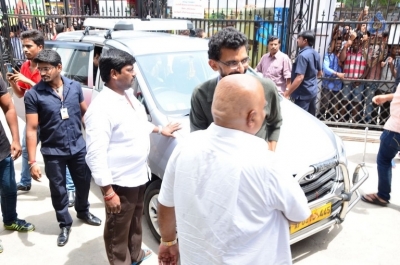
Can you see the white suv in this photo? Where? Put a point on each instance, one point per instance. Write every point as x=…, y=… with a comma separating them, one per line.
x=168, y=68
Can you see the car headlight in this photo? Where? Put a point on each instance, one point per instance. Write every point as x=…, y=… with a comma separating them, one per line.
x=341, y=150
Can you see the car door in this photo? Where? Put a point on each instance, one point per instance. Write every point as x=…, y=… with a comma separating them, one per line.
x=77, y=61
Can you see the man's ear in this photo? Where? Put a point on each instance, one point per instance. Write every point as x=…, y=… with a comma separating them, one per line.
x=250, y=120
x=213, y=64
x=113, y=74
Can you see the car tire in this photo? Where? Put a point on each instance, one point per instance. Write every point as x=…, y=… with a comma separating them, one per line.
x=150, y=208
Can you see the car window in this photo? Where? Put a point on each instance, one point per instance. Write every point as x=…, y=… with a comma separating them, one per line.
x=75, y=64
x=172, y=77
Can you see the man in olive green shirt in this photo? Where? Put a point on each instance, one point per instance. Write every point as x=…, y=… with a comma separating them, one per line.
x=227, y=54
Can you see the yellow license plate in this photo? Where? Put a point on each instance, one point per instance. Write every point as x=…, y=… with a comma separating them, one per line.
x=317, y=214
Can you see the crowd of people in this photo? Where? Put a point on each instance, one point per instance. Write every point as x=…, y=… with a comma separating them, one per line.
x=355, y=67
x=235, y=121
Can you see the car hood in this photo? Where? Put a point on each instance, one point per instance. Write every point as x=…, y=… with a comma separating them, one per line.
x=303, y=140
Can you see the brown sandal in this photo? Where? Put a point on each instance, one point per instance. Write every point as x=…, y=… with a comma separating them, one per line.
x=373, y=199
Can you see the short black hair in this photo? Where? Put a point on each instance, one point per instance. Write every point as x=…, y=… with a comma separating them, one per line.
x=272, y=38
x=199, y=32
x=34, y=35
x=308, y=35
x=59, y=28
x=48, y=56
x=113, y=59
x=97, y=50
x=385, y=34
x=228, y=38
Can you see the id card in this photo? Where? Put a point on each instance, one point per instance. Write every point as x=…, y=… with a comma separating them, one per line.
x=64, y=113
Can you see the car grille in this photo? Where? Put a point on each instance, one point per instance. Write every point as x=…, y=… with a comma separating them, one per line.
x=317, y=185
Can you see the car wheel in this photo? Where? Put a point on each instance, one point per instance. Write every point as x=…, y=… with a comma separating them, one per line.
x=150, y=207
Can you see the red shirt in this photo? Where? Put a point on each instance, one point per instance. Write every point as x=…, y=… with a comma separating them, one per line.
x=35, y=76
x=354, y=65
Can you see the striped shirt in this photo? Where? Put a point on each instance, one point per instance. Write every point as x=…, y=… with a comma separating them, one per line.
x=18, y=51
x=354, y=65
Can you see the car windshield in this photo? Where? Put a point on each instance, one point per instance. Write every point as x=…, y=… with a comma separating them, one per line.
x=172, y=77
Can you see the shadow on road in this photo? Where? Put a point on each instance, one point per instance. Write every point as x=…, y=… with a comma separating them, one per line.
x=357, y=158
x=311, y=245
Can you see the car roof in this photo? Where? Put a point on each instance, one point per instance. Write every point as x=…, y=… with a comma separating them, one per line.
x=139, y=42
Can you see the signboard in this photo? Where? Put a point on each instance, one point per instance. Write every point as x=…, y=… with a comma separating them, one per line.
x=188, y=8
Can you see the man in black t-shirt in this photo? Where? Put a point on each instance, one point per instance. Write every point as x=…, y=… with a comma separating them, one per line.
x=8, y=153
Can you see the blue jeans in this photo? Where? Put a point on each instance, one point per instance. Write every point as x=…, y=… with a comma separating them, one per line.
x=390, y=145
x=26, y=179
x=8, y=190
x=369, y=94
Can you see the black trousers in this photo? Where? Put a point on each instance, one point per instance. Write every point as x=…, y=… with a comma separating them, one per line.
x=123, y=231
x=55, y=168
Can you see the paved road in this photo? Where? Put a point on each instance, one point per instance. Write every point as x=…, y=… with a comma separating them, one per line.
x=370, y=234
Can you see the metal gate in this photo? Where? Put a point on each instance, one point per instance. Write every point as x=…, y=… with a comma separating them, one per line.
x=348, y=103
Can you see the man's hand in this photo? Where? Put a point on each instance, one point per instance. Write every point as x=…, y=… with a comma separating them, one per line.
x=286, y=94
x=35, y=172
x=10, y=78
x=113, y=205
x=379, y=100
x=17, y=76
x=16, y=150
x=168, y=255
x=348, y=43
x=170, y=129
x=340, y=75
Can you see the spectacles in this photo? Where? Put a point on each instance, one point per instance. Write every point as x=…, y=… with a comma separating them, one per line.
x=45, y=69
x=235, y=64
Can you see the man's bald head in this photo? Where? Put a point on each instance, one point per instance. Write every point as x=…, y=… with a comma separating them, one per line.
x=239, y=103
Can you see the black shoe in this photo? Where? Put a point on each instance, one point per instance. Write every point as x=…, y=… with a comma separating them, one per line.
x=71, y=198
x=89, y=219
x=22, y=187
x=63, y=236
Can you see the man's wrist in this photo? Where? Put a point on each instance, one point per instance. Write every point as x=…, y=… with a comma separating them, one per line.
x=169, y=243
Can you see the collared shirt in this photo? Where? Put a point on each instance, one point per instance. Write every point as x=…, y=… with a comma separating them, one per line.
x=354, y=65
x=308, y=64
x=34, y=76
x=330, y=66
x=4, y=142
x=201, y=117
x=393, y=123
x=58, y=136
x=17, y=48
x=117, y=139
x=277, y=67
x=230, y=202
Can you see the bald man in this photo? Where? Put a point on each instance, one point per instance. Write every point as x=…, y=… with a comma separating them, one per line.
x=221, y=191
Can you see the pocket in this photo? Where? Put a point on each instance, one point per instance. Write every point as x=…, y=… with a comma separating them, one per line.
x=275, y=70
x=391, y=138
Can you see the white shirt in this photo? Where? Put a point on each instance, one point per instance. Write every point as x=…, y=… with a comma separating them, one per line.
x=230, y=202
x=117, y=139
